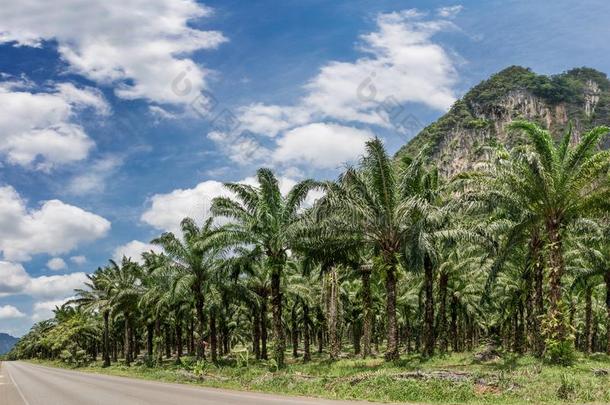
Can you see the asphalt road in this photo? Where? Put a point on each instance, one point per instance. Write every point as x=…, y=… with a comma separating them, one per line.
x=27, y=384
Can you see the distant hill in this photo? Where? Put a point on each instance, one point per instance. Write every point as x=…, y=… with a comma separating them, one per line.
x=6, y=343
x=579, y=96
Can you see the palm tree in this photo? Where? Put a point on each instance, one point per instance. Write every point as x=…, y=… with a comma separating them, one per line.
x=263, y=217
x=364, y=205
x=552, y=186
x=122, y=284
x=591, y=266
x=95, y=298
x=192, y=259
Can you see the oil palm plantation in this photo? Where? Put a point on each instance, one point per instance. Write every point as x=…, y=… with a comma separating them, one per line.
x=551, y=185
x=95, y=298
x=263, y=217
x=365, y=203
x=192, y=258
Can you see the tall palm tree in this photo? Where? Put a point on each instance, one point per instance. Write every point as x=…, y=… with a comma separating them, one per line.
x=193, y=258
x=95, y=298
x=263, y=217
x=123, y=288
x=367, y=202
x=552, y=186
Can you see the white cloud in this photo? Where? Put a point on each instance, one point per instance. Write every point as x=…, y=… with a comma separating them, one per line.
x=78, y=260
x=401, y=64
x=55, y=286
x=44, y=309
x=166, y=211
x=15, y=280
x=54, y=228
x=10, y=312
x=134, y=250
x=321, y=145
x=450, y=11
x=93, y=180
x=138, y=46
x=161, y=113
x=37, y=129
x=56, y=264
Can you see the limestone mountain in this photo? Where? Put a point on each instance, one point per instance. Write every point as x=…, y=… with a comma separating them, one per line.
x=579, y=97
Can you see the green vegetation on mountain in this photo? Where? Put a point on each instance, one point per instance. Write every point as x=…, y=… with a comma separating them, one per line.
x=485, y=105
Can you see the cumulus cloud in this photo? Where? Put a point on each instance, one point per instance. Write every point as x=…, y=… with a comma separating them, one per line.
x=15, y=280
x=37, y=128
x=400, y=64
x=133, y=250
x=321, y=145
x=10, y=312
x=55, y=286
x=54, y=228
x=166, y=211
x=56, y=264
x=138, y=46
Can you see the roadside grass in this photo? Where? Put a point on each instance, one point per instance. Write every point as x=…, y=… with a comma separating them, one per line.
x=450, y=379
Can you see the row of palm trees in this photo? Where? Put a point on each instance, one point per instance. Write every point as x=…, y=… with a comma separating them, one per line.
x=393, y=254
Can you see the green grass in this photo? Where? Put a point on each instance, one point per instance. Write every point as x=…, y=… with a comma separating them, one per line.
x=512, y=380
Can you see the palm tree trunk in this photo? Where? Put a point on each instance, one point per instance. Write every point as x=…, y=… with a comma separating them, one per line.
x=536, y=246
x=530, y=335
x=333, y=313
x=519, y=328
x=168, y=343
x=442, y=320
x=454, y=324
x=607, y=280
x=213, y=337
x=556, y=271
x=306, y=334
x=588, y=320
x=278, y=329
x=264, y=334
x=199, y=302
x=191, y=336
x=149, y=339
x=294, y=331
x=429, y=307
x=357, y=336
x=106, y=340
x=158, y=343
x=127, y=343
x=367, y=305
x=256, y=334
x=179, y=348
x=392, y=348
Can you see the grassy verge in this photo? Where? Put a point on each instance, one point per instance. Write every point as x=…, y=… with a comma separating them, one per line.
x=450, y=379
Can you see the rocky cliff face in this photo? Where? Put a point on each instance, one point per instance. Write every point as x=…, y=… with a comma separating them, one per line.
x=580, y=97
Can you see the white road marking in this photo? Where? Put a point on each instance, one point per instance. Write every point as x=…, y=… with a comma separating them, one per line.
x=25, y=401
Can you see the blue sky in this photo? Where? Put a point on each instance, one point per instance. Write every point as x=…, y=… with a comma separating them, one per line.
x=110, y=130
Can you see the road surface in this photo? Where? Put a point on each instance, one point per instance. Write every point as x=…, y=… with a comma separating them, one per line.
x=27, y=384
